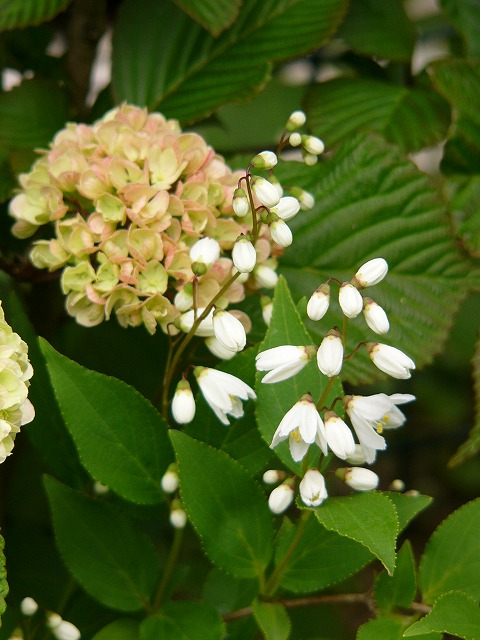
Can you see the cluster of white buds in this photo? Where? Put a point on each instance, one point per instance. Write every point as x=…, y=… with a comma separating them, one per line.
x=311, y=146
x=307, y=423
x=61, y=629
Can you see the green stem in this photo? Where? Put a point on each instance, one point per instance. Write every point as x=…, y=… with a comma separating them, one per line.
x=169, y=567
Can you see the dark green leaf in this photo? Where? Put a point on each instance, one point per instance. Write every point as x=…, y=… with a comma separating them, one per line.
x=464, y=197
x=21, y=13
x=123, y=629
x=214, y=15
x=397, y=590
x=464, y=16
x=122, y=440
x=31, y=113
x=455, y=613
x=235, y=524
x=373, y=203
x=450, y=560
x=407, y=506
x=273, y=620
x=183, y=621
x=162, y=59
x=411, y=118
x=369, y=518
x=7, y=181
x=381, y=629
x=378, y=28
x=320, y=559
x=274, y=400
x=112, y=560
x=226, y=593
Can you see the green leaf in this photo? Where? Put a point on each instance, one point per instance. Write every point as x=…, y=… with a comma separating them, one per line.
x=16, y=14
x=213, y=15
x=3, y=580
x=183, y=621
x=455, y=613
x=235, y=524
x=458, y=80
x=381, y=629
x=378, y=28
x=464, y=16
x=463, y=193
x=162, y=59
x=369, y=518
x=122, y=440
x=274, y=400
x=371, y=202
x=450, y=560
x=273, y=620
x=407, y=506
x=398, y=590
x=320, y=559
x=227, y=593
x=123, y=629
x=7, y=180
x=31, y=113
x=114, y=562
x=411, y=118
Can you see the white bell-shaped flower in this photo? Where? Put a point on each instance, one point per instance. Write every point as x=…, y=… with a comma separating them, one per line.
x=371, y=273
x=319, y=302
x=330, y=354
x=244, y=255
x=281, y=233
x=283, y=362
x=375, y=316
x=183, y=403
x=339, y=437
x=223, y=392
x=287, y=208
x=204, y=329
x=312, y=488
x=205, y=251
x=265, y=276
x=281, y=498
x=350, y=299
x=390, y=360
x=229, y=331
x=265, y=191
x=218, y=349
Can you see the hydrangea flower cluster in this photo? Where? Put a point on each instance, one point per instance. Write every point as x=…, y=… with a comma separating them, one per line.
x=134, y=211
x=15, y=373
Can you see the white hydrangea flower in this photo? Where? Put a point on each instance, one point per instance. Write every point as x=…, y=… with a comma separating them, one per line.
x=223, y=392
x=390, y=360
x=283, y=362
x=312, y=488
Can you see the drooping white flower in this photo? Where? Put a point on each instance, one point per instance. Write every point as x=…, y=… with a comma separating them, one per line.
x=183, y=403
x=204, y=329
x=312, y=488
x=339, y=437
x=375, y=316
x=371, y=273
x=265, y=277
x=296, y=120
x=229, y=331
x=390, y=360
x=205, y=251
x=218, y=349
x=265, y=191
x=319, y=302
x=265, y=160
x=281, y=233
x=240, y=203
x=169, y=481
x=330, y=354
x=244, y=255
x=287, y=208
x=281, y=498
x=28, y=606
x=350, y=299
x=223, y=392
x=313, y=145
x=359, y=478
x=301, y=424
x=283, y=362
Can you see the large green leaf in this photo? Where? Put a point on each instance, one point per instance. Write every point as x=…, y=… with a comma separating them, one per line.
x=451, y=559
x=273, y=620
x=383, y=628
x=397, y=590
x=454, y=613
x=183, y=621
x=378, y=28
x=162, y=59
x=370, y=202
x=464, y=16
x=274, y=400
x=463, y=193
x=321, y=558
x=109, y=557
x=3, y=580
x=368, y=518
x=121, y=438
x=411, y=118
x=123, y=629
x=21, y=13
x=407, y=506
x=458, y=80
x=214, y=15
x=234, y=523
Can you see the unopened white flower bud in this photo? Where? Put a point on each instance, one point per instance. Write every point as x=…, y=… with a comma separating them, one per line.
x=204, y=329
x=244, y=255
x=183, y=403
x=397, y=485
x=265, y=191
x=243, y=277
x=280, y=498
x=358, y=456
x=229, y=331
x=272, y=476
x=169, y=481
x=240, y=203
x=309, y=159
x=312, y=488
x=100, y=489
x=265, y=277
x=218, y=349
x=281, y=233
x=183, y=300
x=267, y=309
x=319, y=302
x=296, y=120
x=295, y=139
x=61, y=629
x=339, y=437
x=276, y=183
x=178, y=518
x=287, y=208
x=350, y=300
x=313, y=145
x=205, y=251
x=330, y=354
x=265, y=160
x=307, y=201
x=372, y=272
x=28, y=606
x=390, y=360
x=359, y=478
x=375, y=316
